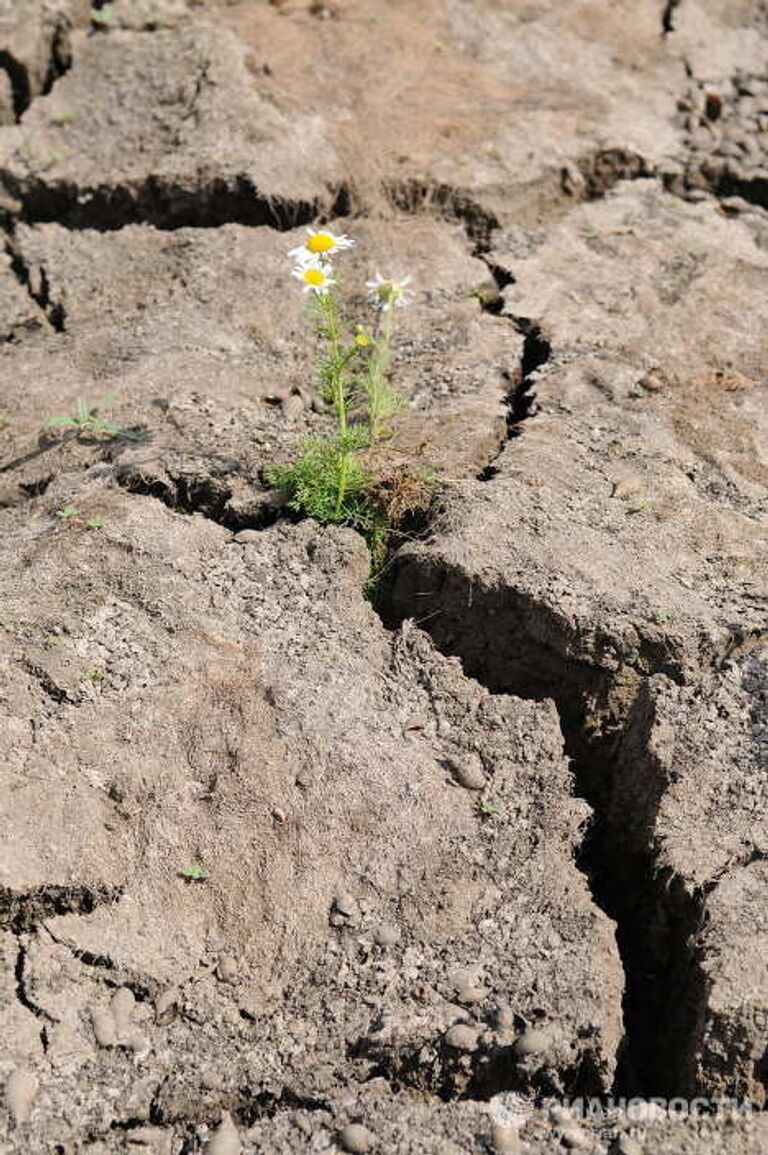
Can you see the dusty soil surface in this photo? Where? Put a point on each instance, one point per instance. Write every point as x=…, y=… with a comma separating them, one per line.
x=497, y=841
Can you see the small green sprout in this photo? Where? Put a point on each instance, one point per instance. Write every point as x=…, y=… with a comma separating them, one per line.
x=488, y=809
x=68, y=512
x=63, y=116
x=72, y=515
x=93, y=675
x=86, y=420
x=486, y=296
x=636, y=507
x=195, y=873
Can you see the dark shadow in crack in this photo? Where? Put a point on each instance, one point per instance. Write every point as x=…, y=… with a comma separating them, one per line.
x=166, y=205
x=22, y=911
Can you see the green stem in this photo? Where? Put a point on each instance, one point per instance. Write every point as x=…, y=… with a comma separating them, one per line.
x=378, y=371
x=329, y=306
x=338, y=362
x=341, y=492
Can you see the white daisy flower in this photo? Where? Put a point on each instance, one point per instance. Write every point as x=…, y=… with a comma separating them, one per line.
x=321, y=243
x=314, y=276
x=386, y=292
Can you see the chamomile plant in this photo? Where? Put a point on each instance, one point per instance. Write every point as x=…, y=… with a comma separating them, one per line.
x=332, y=480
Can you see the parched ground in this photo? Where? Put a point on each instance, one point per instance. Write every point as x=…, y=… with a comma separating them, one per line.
x=498, y=842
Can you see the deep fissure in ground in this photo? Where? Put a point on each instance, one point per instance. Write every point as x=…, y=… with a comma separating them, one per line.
x=655, y=919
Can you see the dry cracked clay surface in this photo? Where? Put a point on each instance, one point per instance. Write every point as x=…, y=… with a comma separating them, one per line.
x=498, y=841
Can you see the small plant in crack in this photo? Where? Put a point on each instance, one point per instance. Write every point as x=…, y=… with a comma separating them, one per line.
x=71, y=516
x=334, y=478
x=487, y=809
x=86, y=420
x=195, y=872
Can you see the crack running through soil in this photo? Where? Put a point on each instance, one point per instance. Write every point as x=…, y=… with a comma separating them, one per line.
x=655, y=920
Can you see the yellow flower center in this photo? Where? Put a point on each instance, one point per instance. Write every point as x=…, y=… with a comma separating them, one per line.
x=314, y=277
x=320, y=243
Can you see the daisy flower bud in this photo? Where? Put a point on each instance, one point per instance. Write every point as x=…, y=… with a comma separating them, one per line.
x=386, y=293
x=321, y=244
x=314, y=276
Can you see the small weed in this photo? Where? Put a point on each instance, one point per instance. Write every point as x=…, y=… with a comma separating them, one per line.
x=63, y=116
x=636, y=507
x=86, y=420
x=487, y=809
x=68, y=512
x=70, y=515
x=92, y=676
x=195, y=873
x=486, y=296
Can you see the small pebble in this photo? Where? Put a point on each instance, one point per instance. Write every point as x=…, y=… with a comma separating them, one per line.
x=572, y=1136
x=227, y=969
x=505, y=1139
x=304, y=779
x=166, y=1001
x=20, y=1090
x=468, y=772
x=629, y=1146
x=356, y=1138
x=246, y=535
x=122, y=1006
x=135, y=1041
x=104, y=1027
x=225, y=1140
x=466, y=985
x=292, y=406
x=387, y=935
x=626, y=487
x=345, y=905
x=533, y=1042
x=469, y=993
x=505, y=1017
x=462, y=1037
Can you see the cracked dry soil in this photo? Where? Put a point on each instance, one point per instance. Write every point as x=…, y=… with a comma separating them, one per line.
x=501, y=840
